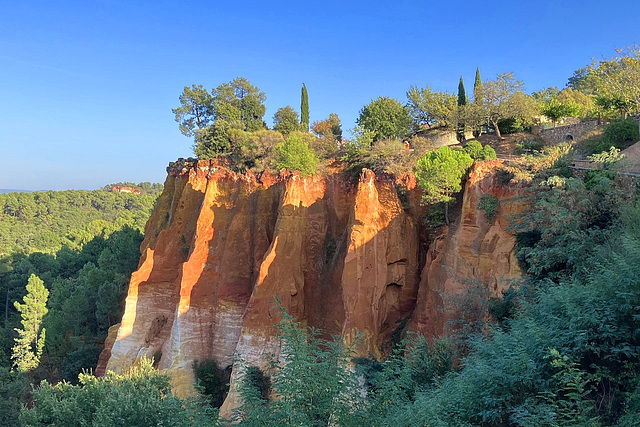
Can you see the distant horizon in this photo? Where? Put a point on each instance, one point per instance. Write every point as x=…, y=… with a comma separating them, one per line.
x=87, y=89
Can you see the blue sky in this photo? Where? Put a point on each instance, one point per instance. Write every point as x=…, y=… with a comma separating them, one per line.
x=87, y=87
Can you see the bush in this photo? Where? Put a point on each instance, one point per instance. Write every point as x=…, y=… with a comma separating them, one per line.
x=255, y=151
x=140, y=397
x=488, y=153
x=490, y=205
x=512, y=125
x=621, y=133
x=474, y=149
x=214, y=382
x=477, y=152
x=387, y=156
x=295, y=154
x=255, y=378
x=529, y=147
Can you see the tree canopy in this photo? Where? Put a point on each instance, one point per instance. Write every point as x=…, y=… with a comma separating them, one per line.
x=439, y=174
x=428, y=107
x=504, y=99
x=286, y=120
x=294, y=153
x=196, y=110
x=385, y=118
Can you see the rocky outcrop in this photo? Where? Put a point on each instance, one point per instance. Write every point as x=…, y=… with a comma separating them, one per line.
x=472, y=258
x=124, y=189
x=345, y=257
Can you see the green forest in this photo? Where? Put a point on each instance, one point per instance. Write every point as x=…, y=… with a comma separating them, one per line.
x=68, y=256
x=560, y=348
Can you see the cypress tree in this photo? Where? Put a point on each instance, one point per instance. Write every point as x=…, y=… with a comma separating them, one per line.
x=30, y=340
x=462, y=101
x=304, y=108
x=478, y=89
x=462, y=95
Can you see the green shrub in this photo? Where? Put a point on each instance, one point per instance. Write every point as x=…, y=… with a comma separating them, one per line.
x=528, y=147
x=488, y=153
x=213, y=381
x=473, y=148
x=255, y=378
x=621, y=133
x=140, y=397
x=254, y=150
x=512, y=125
x=295, y=154
x=477, y=152
x=387, y=156
x=490, y=205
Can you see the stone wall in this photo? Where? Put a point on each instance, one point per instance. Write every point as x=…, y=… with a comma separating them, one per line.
x=568, y=133
x=439, y=136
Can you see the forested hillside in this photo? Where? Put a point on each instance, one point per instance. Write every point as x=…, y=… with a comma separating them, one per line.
x=82, y=246
x=46, y=221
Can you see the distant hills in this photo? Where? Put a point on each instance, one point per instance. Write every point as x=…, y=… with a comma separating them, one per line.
x=12, y=190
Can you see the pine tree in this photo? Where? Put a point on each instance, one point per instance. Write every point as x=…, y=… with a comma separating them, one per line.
x=30, y=342
x=478, y=89
x=304, y=108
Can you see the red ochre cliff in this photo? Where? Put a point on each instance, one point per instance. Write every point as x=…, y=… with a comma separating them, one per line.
x=345, y=257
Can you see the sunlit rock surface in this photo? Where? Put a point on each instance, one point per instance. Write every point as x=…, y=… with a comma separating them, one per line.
x=346, y=256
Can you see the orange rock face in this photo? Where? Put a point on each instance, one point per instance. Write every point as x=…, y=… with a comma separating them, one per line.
x=470, y=254
x=344, y=257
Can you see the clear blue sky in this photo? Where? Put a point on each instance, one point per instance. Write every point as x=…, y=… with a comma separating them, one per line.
x=87, y=87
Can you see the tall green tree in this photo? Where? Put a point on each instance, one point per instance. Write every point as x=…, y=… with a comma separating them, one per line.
x=304, y=108
x=504, y=99
x=239, y=100
x=478, y=89
x=462, y=103
x=462, y=94
x=385, y=118
x=439, y=174
x=30, y=341
x=475, y=114
x=195, y=111
x=619, y=78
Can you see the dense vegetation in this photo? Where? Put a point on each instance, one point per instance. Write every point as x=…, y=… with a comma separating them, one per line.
x=67, y=258
x=47, y=221
x=228, y=120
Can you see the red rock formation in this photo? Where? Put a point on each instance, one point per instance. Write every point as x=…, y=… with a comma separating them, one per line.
x=470, y=253
x=105, y=354
x=343, y=257
x=123, y=189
